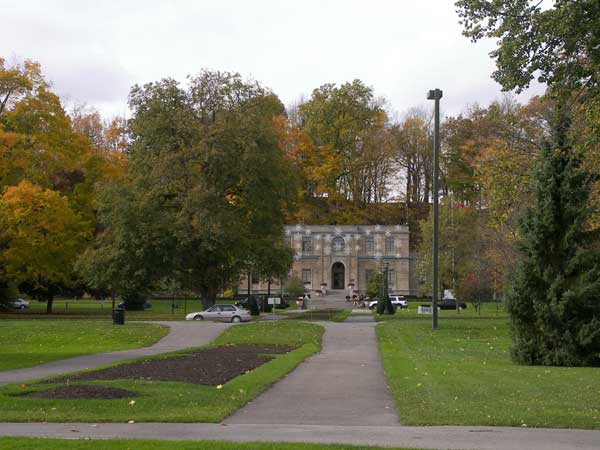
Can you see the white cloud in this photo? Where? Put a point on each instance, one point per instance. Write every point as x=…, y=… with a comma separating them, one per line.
x=94, y=51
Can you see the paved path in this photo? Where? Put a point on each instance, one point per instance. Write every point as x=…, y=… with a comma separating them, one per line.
x=449, y=437
x=342, y=385
x=181, y=335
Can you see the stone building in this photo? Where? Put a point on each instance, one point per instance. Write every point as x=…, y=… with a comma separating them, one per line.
x=340, y=258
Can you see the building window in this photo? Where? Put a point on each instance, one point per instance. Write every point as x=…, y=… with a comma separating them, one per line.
x=338, y=244
x=370, y=245
x=368, y=274
x=391, y=277
x=307, y=245
x=389, y=246
x=306, y=276
x=290, y=241
x=254, y=278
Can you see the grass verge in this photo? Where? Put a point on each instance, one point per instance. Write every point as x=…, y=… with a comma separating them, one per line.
x=462, y=374
x=317, y=315
x=27, y=343
x=174, y=401
x=163, y=309
x=488, y=310
x=69, y=444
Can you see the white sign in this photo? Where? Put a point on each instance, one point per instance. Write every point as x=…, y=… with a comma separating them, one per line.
x=274, y=301
x=424, y=310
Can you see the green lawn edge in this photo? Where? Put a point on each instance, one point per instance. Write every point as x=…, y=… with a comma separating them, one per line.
x=461, y=374
x=173, y=401
x=127, y=444
x=28, y=343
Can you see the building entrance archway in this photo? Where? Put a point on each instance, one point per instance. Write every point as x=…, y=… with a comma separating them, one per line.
x=338, y=274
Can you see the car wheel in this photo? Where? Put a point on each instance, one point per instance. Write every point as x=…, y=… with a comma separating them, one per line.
x=236, y=319
x=198, y=317
x=439, y=308
x=22, y=306
x=460, y=308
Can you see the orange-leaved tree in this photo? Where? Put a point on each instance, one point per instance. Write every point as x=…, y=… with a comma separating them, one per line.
x=43, y=236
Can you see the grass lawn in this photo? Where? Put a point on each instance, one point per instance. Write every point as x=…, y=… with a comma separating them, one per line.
x=26, y=343
x=69, y=444
x=163, y=309
x=462, y=374
x=487, y=310
x=175, y=401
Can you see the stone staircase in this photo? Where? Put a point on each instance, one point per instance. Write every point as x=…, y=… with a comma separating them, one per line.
x=333, y=299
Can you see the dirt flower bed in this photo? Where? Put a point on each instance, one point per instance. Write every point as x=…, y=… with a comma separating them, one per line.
x=82, y=391
x=211, y=366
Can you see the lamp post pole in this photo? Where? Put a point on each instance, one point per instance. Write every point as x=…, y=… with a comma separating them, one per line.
x=436, y=95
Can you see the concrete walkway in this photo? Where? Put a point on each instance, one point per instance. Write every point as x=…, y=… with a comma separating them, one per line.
x=181, y=335
x=449, y=437
x=342, y=385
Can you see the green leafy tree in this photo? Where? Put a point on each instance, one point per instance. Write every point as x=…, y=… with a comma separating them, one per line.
x=294, y=287
x=554, y=294
x=374, y=284
x=134, y=248
x=558, y=45
x=459, y=234
x=206, y=186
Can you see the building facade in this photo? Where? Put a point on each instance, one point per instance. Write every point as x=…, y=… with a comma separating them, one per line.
x=340, y=258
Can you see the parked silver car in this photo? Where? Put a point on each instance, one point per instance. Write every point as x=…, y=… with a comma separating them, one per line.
x=17, y=303
x=224, y=313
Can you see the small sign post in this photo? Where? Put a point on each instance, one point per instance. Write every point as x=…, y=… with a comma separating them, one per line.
x=273, y=301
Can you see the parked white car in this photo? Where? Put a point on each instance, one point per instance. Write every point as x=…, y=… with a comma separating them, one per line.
x=398, y=301
x=223, y=313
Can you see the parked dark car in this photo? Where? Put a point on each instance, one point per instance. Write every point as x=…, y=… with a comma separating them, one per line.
x=450, y=303
x=263, y=304
x=146, y=305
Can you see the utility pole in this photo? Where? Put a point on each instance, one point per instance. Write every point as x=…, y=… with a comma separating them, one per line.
x=436, y=95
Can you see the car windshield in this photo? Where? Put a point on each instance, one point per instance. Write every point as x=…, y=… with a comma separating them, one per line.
x=212, y=309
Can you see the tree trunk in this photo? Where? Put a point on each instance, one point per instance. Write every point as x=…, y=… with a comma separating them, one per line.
x=49, y=304
x=208, y=298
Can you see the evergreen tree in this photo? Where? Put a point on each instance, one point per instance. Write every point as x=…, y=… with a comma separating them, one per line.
x=554, y=293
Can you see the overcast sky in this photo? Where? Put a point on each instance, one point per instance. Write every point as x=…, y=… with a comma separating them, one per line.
x=94, y=51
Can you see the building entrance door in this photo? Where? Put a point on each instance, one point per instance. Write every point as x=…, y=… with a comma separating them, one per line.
x=338, y=276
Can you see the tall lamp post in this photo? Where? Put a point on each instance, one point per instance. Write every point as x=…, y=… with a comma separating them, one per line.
x=436, y=95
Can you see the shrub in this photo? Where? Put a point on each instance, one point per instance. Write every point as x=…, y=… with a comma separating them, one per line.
x=294, y=287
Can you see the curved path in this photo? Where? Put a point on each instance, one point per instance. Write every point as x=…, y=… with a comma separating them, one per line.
x=181, y=335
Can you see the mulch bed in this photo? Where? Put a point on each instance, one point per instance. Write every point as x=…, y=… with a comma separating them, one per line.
x=211, y=366
x=83, y=391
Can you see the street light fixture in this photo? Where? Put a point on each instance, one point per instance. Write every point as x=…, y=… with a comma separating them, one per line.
x=436, y=95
